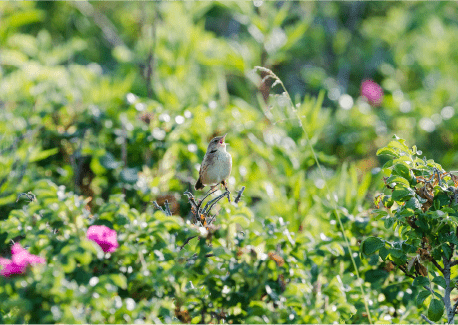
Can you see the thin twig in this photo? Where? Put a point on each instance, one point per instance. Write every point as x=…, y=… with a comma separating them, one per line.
x=455, y=306
x=191, y=199
x=334, y=201
x=195, y=256
x=426, y=319
x=186, y=242
x=167, y=208
x=455, y=262
x=201, y=201
x=157, y=206
x=413, y=277
x=212, y=219
x=239, y=195
x=437, y=265
x=213, y=202
x=32, y=197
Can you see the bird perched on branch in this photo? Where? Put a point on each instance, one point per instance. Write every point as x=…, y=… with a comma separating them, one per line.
x=216, y=166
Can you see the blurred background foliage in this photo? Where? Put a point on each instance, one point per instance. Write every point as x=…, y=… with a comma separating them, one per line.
x=99, y=99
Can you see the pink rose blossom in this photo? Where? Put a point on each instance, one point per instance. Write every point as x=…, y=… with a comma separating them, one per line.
x=372, y=91
x=104, y=236
x=20, y=259
x=9, y=268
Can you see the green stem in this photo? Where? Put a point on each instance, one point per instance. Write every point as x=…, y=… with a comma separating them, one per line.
x=333, y=200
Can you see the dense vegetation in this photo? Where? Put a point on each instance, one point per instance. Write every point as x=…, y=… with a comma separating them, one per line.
x=107, y=107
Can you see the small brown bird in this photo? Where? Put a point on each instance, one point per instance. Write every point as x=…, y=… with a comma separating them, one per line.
x=216, y=166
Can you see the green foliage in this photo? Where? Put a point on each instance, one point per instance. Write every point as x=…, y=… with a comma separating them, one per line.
x=422, y=207
x=258, y=274
x=108, y=106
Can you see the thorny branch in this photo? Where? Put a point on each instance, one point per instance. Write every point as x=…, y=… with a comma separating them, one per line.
x=201, y=216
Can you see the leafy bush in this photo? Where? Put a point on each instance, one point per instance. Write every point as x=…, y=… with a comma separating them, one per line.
x=110, y=105
x=422, y=207
x=163, y=270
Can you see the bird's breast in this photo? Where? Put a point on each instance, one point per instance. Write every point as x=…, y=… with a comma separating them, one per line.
x=218, y=168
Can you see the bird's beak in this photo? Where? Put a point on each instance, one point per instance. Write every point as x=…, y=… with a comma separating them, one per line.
x=222, y=139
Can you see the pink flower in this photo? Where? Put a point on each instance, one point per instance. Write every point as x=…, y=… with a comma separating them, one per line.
x=9, y=268
x=372, y=91
x=104, y=236
x=20, y=259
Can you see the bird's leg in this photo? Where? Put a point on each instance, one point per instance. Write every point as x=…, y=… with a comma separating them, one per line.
x=211, y=189
x=209, y=192
x=227, y=191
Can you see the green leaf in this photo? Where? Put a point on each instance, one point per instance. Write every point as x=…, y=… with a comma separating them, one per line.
x=119, y=279
x=422, y=296
x=440, y=281
x=401, y=193
x=402, y=170
x=379, y=213
x=388, y=152
x=447, y=250
x=391, y=292
x=383, y=253
x=399, y=145
x=371, y=245
x=435, y=310
x=397, y=179
x=295, y=34
x=44, y=154
x=420, y=281
x=372, y=276
x=388, y=201
x=398, y=256
x=389, y=222
x=68, y=263
x=413, y=204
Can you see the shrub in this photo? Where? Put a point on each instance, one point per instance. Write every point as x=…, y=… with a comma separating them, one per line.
x=421, y=205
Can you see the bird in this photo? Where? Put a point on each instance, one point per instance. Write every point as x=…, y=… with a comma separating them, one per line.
x=216, y=166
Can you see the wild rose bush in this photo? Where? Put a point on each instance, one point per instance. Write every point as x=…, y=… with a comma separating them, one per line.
x=120, y=265
x=20, y=259
x=104, y=236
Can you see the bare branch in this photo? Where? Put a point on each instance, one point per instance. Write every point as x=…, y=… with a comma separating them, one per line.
x=437, y=265
x=426, y=319
x=29, y=196
x=403, y=269
x=186, y=242
x=167, y=208
x=191, y=200
x=207, y=208
x=455, y=306
x=239, y=195
x=157, y=206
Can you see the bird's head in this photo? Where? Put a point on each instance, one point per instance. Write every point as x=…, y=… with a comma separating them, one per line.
x=217, y=143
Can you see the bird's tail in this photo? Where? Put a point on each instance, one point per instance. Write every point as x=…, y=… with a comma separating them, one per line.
x=199, y=185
